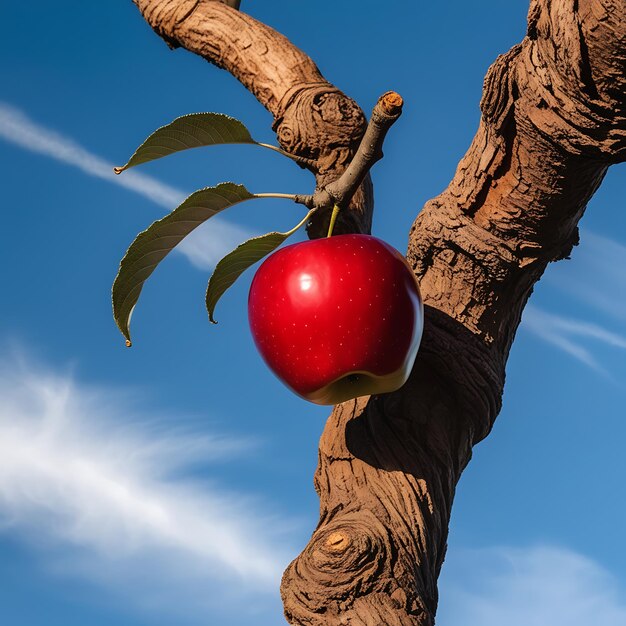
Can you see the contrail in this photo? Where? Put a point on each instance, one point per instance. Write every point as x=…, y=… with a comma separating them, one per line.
x=204, y=250
x=18, y=129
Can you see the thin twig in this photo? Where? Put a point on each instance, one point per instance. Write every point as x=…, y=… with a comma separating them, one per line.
x=387, y=110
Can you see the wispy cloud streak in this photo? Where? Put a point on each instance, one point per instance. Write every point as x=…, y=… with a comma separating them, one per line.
x=82, y=468
x=204, y=248
x=18, y=129
x=595, y=275
x=568, y=334
x=540, y=585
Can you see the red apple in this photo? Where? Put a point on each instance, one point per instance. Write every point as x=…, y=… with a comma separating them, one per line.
x=337, y=318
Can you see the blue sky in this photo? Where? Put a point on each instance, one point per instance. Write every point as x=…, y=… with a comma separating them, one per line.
x=173, y=481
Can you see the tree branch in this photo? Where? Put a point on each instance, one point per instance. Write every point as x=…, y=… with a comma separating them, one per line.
x=387, y=110
x=312, y=118
x=235, y=4
x=554, y=119
x=341, y=190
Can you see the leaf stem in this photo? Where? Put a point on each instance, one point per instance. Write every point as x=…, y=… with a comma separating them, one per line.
x=304, y=220
x=333, y=219
x=298, y=159
x=275, y=148
x=286, y=196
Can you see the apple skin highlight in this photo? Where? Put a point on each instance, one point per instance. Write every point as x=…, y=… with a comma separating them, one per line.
x=337, y=318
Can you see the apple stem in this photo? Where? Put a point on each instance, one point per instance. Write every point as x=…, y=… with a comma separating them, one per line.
x=333, y=219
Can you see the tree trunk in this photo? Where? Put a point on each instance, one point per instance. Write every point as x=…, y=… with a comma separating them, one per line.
x=553, y=121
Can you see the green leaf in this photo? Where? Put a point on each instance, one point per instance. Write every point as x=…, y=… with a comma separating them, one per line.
x=189, y=131
x=235, y=263
x=151, y=246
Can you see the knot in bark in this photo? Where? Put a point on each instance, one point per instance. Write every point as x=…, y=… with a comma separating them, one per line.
x=345, y=551
x=337, y=542
x=318, y=122
x=343, y=561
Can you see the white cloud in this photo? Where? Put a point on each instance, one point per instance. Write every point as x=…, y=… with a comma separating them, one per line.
x=569, y=334
x=538, y=586
x=595, y=274
x=84, y=474
x=204, y=247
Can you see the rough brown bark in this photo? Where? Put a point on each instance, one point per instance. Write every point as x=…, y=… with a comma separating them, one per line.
x=312, y=118
x=553, y=121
